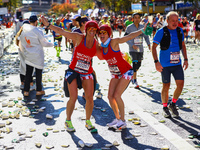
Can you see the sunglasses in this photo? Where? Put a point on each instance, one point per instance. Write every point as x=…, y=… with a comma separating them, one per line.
x=102, y=31
x=92, y=29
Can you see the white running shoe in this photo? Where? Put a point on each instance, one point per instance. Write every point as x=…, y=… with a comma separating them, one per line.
x=33, y=87
x=120, y=125
x=21, y=86
x=114, y=122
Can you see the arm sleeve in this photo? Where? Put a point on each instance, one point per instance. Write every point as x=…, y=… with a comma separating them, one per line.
x=130, y=42
x=43, y=41
x=146, y=37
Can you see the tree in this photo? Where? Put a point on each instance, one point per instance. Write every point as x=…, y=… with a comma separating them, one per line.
x=11, y=5
x=59, y=9
x=86, y=4
x=117, y=5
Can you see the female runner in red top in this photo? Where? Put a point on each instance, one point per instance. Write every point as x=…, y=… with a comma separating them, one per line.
x=120, y=70
x=86, y=47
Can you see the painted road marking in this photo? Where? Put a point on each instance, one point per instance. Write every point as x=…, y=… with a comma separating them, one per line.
x=171, y=136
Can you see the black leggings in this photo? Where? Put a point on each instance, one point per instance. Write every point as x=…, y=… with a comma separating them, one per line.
x=22, y=78
x=29, y=72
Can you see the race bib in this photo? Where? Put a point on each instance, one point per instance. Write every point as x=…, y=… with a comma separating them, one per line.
x=57, y=34
x=199, y=26
x=138, y=41
x=175, y=57
x=114, y=70
x=82, y=66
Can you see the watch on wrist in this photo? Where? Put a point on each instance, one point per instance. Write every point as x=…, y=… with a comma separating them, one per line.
x=155, y=61
x=185, y=59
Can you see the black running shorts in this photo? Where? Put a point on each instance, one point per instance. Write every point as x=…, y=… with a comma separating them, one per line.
x=136, y=55
x=176, y=71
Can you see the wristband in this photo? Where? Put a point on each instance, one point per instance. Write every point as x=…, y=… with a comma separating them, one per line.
x=143, y=31
x=185, y=59
x=155, y=61
x=48, y=25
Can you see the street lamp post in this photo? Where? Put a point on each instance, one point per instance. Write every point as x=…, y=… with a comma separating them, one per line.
x=148, y=7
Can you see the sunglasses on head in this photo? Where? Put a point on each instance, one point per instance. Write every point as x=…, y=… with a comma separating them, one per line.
x=92, y=29
x=103, y=31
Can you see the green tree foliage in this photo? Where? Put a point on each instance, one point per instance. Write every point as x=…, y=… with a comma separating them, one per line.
x=117, y=5
x=11, y=5
x=85, y=4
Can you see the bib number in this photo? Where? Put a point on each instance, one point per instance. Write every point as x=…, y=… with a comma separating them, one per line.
x=138, y=41
x=82, y=66
x=175, y=57
x=114, y=70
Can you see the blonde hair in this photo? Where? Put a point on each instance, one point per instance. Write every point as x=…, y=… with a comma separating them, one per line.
x=171, y=13
x=197, y=16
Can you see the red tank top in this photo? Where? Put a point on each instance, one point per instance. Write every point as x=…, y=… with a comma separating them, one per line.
x=81, y=61
x=116, y=63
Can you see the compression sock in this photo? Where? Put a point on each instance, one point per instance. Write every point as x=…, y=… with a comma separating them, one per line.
x=174, y=100
x=164, y=104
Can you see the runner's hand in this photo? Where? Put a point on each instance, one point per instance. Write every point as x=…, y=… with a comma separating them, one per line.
x=135, y=47
x=185, y=65
x=159, y=67
x=44, y=21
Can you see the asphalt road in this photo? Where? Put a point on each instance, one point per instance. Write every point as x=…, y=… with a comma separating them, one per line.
x=145, y=102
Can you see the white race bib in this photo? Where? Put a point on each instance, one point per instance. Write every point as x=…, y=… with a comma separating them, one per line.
x=114, y=70
x=175, y=57
x=82, y=66
x=138, y=41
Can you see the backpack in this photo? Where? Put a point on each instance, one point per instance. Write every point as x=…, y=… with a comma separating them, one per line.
x=166, y=39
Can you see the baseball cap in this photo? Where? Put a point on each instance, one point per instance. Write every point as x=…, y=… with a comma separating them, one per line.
x=91, y=24
x=105, y=15
x=135, y=14
x=75, y=16
x=33, y=18
x=105, y=27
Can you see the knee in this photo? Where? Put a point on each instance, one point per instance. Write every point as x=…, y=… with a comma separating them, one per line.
x=73, y=99
x=110, y=98
x=116, y=96
x=166, y=86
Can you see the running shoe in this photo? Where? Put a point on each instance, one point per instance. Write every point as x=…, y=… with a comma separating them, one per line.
x=114, y=122
x=21, y=86
x=26, y=93
x=173, y=109
x=40, y=93
x=89, y=125
x=166, y=112
x=32, y=87
x=120, y=125
x=69, y=126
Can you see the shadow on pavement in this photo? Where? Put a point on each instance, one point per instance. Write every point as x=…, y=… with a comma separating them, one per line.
x=133, y=143
x=104, y=117
x=102, y=112
x=188, y=126
x=41, y=117
x=157, y=97
x=64, y=61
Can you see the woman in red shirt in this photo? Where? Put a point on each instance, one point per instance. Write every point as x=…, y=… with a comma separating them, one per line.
x=120, y=70
x=80, y=69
